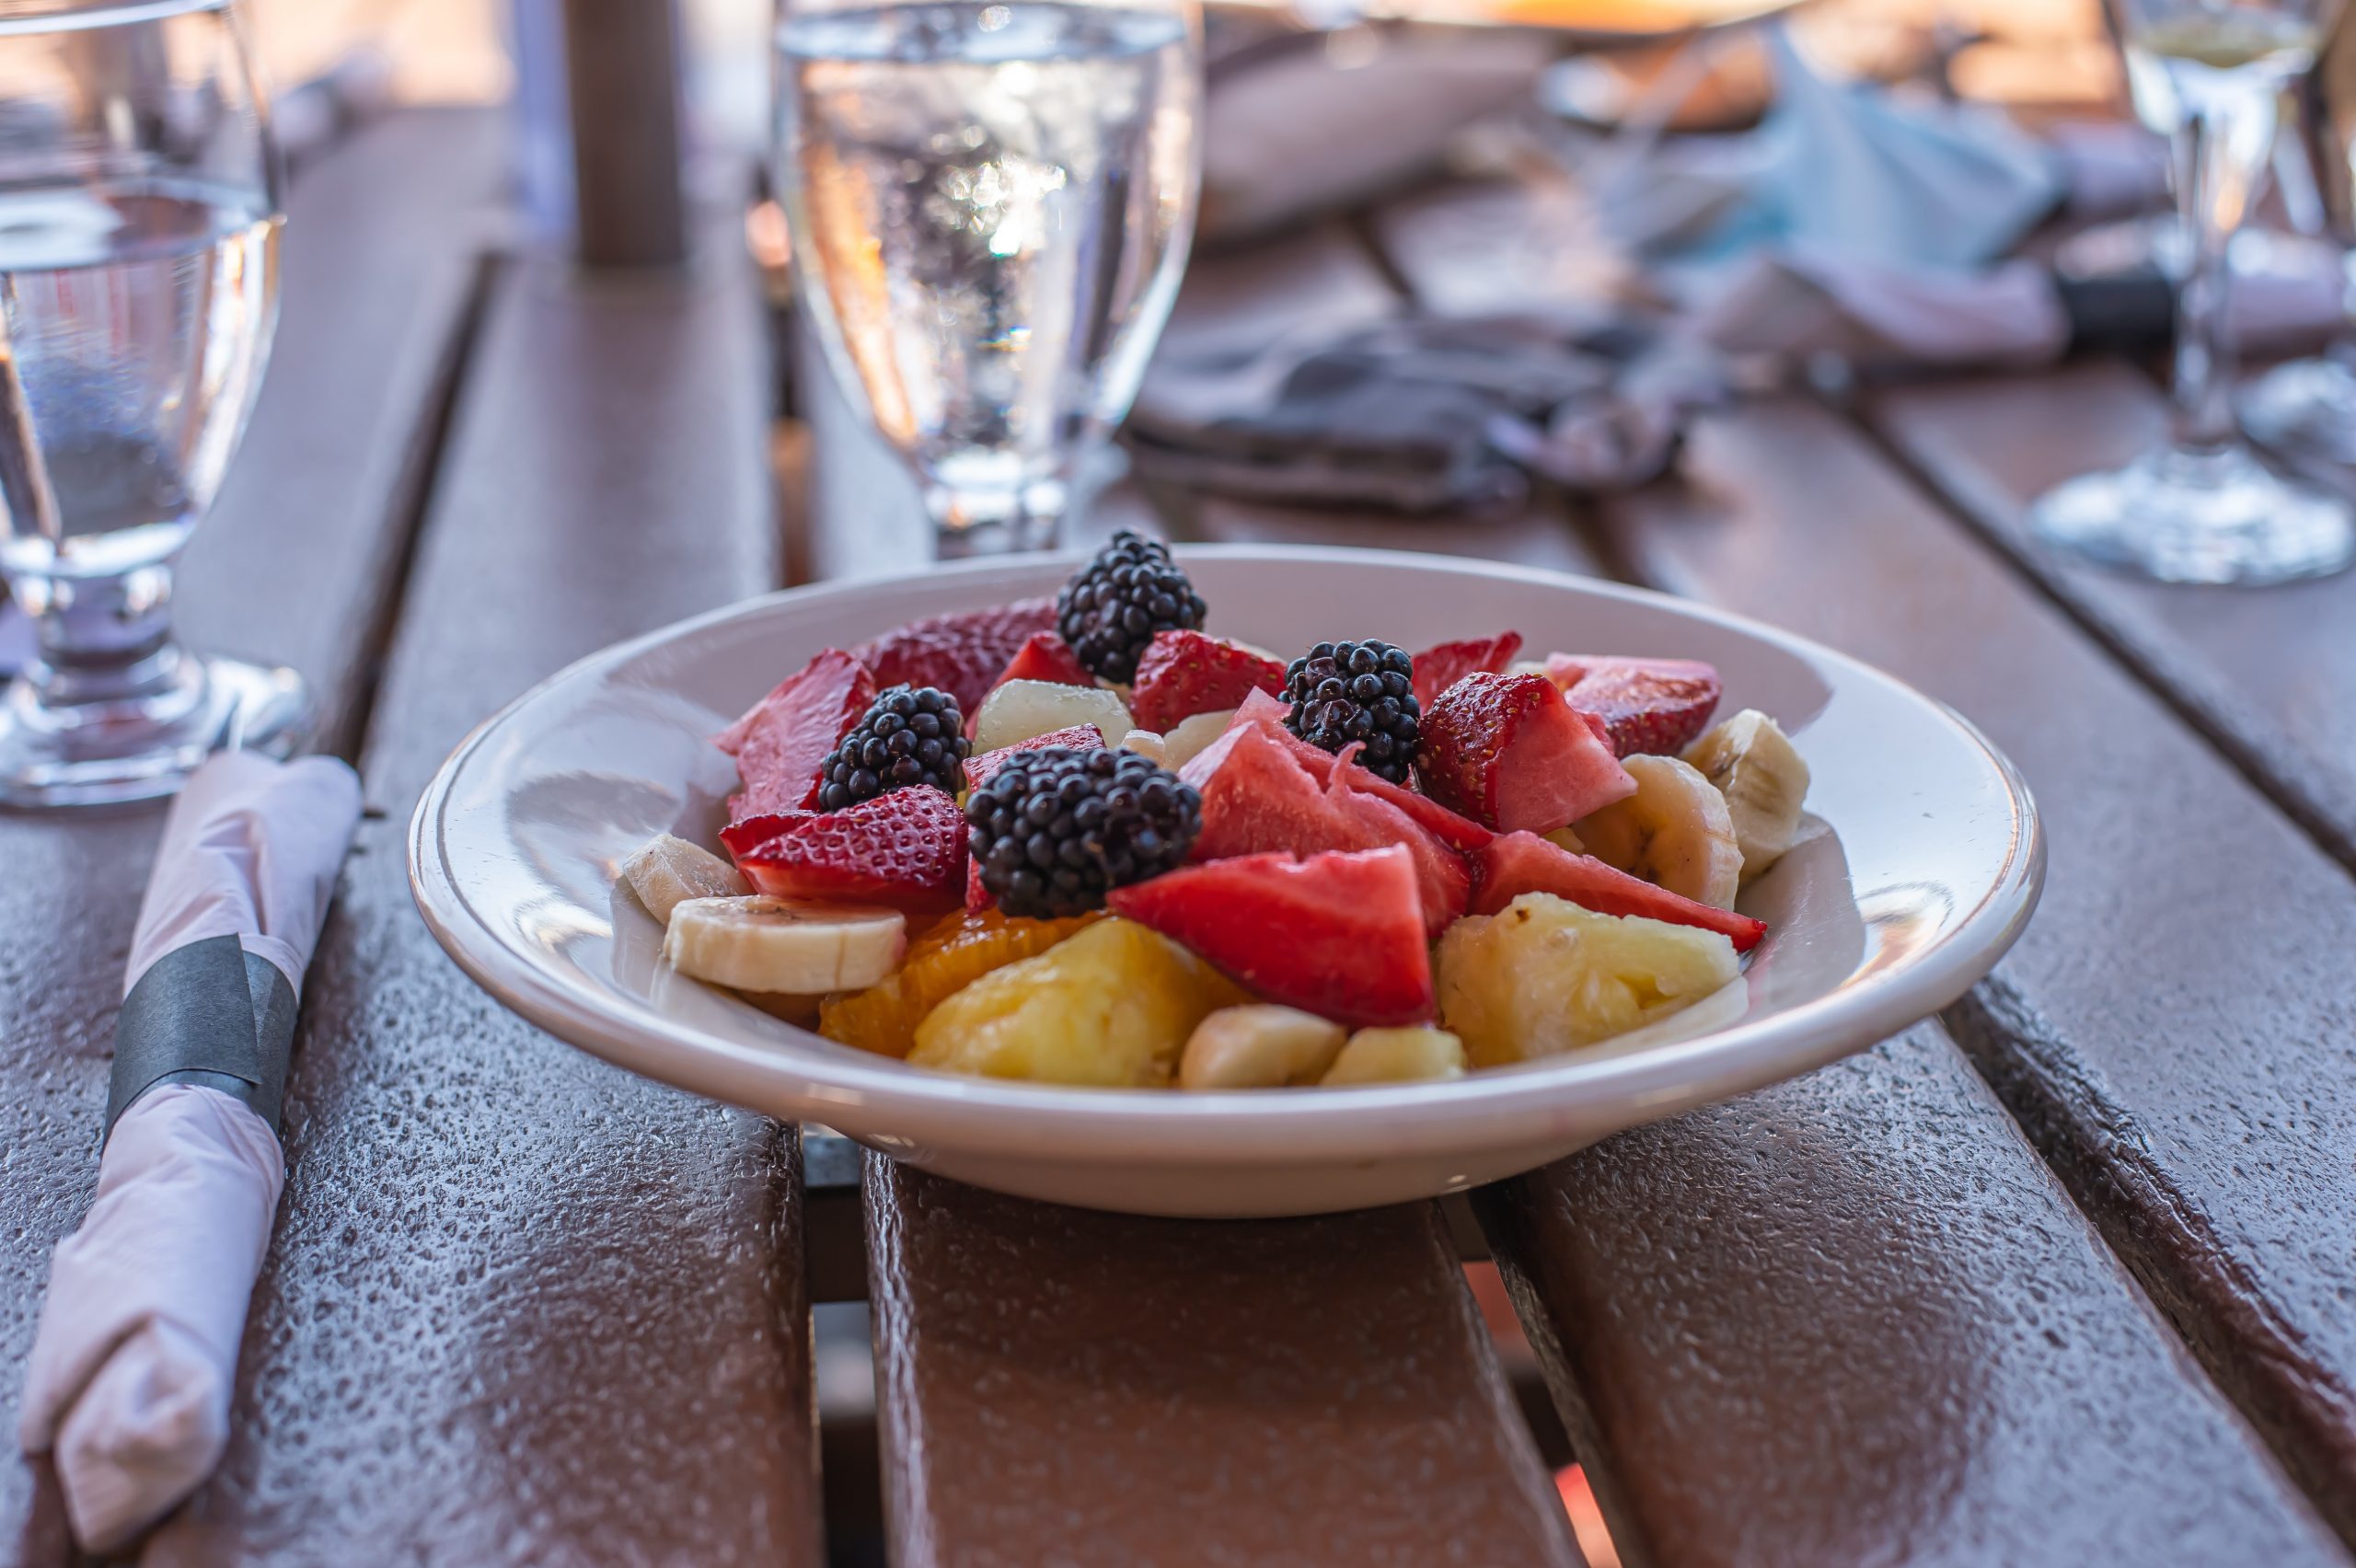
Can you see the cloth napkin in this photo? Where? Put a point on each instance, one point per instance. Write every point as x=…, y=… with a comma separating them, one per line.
x=1420, y=415
x=135, y=1358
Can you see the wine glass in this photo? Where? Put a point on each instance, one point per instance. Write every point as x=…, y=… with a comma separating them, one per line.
x=139, y=219
x=2309, y=405
x=2202, y=508
x=989, y=204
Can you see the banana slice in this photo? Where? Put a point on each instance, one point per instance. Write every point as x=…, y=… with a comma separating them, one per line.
x=1764, y=779
x=669, y=871
x=1564, y=838
x=1259, y=1045
x=1396, y=1056
x=1675, y=832
x=784, y=944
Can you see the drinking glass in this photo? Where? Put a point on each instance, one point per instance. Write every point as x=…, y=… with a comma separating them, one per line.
x=2202, y=508
x=139, y=219
x=989, y=204
x=2309, y=405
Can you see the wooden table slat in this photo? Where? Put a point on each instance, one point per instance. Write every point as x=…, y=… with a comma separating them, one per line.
x=578, y=1333
x=1063, y=1386
x=295, y=564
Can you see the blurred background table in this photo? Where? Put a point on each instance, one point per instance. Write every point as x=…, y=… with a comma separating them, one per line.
x=2060, y=1277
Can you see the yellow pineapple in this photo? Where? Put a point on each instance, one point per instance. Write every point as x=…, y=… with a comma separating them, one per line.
x=1543, y=975
x=1112, y=1007
x=949, y=956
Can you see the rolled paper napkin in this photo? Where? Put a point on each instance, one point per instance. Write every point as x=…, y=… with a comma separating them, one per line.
x=135, y=1358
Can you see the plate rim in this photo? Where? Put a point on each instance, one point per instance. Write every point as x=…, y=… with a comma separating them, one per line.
x=1061, y=1123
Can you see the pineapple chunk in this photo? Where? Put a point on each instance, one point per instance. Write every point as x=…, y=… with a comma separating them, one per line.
x=1111, y=1007
x=1021, y=709
x=1542, y=976
x=1396, y=1056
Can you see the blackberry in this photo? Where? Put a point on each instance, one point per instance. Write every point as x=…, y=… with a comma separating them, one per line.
x=909, y=735
x=1059, y=828
x=1113, y=607
x=1341, y=692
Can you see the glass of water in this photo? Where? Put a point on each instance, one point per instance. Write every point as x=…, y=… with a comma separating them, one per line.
x=2309, y=405
x=139, y=221
x=2202, y=508
x=989, y=202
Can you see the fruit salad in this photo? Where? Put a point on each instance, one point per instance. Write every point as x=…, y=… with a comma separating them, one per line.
x=1083, y=840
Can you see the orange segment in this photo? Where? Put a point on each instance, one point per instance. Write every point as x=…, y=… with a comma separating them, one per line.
x=949, y=956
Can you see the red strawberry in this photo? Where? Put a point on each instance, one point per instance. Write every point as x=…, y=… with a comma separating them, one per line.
x=1517, y=863
x=961, y=654
x=1182, y=674
x=1507, y=751
x=905, y=848
x=978, y=897
x=781, y=741
x=1647, y=705
x=1436, y=669
x=980, y=770
x=1258, y=799
x=1266, y=713
x=1045, y=657
x=1339, y=935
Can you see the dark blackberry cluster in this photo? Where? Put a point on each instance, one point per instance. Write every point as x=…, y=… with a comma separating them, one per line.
x=1111, y=608
x=1341, y=692
x=1059, y=828
x=909, y=735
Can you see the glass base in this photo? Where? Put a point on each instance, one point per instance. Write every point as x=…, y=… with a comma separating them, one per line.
x=2184, y=516
x=2307, y=407
x=109, y=753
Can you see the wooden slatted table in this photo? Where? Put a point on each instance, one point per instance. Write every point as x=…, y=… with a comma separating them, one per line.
x=2060, y=1277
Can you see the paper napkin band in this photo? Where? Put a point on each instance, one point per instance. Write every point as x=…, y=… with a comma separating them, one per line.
x=207, y=1012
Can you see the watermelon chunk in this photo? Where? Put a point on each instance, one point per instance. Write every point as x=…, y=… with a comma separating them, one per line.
x=1337, y=934
x=1516, y=863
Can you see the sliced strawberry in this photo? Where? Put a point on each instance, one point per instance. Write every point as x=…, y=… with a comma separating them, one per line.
x=1508, y=752
x=980, y=770
x=1436, y=669
x=1182, y=674
x=978, y=897
x=1266, y=713
x=1338, y=935
x=1648, y=707
x=780, y=743
x=1045, y=656
x=1516, y=863
x=905, y=849
x=962, y=654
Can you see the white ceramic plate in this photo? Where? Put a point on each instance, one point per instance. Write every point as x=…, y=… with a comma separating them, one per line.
x=1923, y=866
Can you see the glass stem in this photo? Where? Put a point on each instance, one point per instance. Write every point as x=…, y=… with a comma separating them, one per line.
x=2215, y=170
x=102, y=640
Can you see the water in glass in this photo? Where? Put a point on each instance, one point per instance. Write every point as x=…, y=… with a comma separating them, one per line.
x=990, y=206
x=132, y=322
